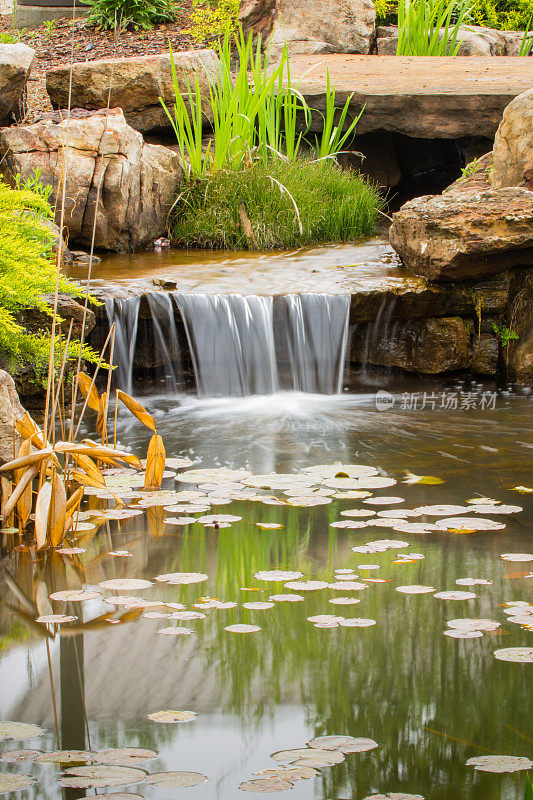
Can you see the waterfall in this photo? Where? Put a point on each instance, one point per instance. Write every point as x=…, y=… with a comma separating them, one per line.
x=124, y=314
x=231, y=341
x=237, y=345
x=165, y=340
x=316, y=335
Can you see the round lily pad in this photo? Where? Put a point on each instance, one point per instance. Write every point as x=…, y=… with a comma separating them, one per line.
x=19, y=730
x=124, y=756
x=75, y=595
x=66, y=757
x=125, y=584
x=100, y=776
x=9, y=782
x=499, y=763
x=520, y=655
x=175, y=780
x=266, y=785
x=277, y=575
x=242, y=628
x=17, y=756
x=172, y=717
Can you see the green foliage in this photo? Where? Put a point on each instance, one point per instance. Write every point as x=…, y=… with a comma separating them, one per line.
x=27, y=272
x=472, y=168
x=528, y=794
x=211, y=20
x=504, y=333
x=136, y=14
x=10, y=38
x=505, y=15
x=276, y=204
x=420, y=23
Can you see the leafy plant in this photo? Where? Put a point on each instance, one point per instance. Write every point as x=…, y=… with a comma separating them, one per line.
x=504, y=334
x=471, y=169
x=420, y=23
x=136, y=14
x=10, y=38
x=276, y=204
x=507, y=15
x=528, y=794
x=335, y=136
x=27, y=272
x=210, y=21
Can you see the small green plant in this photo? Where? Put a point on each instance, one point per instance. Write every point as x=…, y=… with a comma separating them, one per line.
x=430, y=27
x=528, y=794
x=27, y=272
x=210, y=21
x=49, y=26
x=135, y=14
x=526, y=45
x=504, y=334
x=10, y=38
x=471, y=169
x=276, y=204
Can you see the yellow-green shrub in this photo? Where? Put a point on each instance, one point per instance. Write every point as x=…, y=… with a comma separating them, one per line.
x=27, y=272
x=210, y=20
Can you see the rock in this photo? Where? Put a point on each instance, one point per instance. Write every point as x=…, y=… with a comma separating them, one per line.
x=485, y=354
x=136, y=84
x=15, y=65
x=10, y=411
x=311, y=26
x=459, y=236
x=476, y=176
x=519, y=355
x=81, y=258
x=513, y=145
x=68, y=308
x=135, y=183
x=431, y=346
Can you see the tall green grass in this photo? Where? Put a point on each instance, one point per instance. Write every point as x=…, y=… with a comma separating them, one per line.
x=255, y=113
x=420, y=23
x=276, y=205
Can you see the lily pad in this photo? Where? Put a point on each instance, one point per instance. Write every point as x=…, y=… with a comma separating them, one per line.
x=75, y=595
x=415, y=589
x=182, y=577
x=19, y=730
x=176, y=780
x=306, y=586
x=260, y=606
x=286, y=598
x=458, y=633
x=125, y=584
x=9, y=782
x=468, y=523
x=67, y=757
x=55, y=619
x=357, y=622
x=266, y=785
x=18, y=756
x=518, y=557
x=346, y=744
x=300, y=752
x=172, y=717
x=394, y=796
x=499, y=763
x=178, y=631
x=100, y=776
x=455, y=595
x=344, y=601
x=242, y=628
x=124, y=756
x=277, y=575
x=520, y=655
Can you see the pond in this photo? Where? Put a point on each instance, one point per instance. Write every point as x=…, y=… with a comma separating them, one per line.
x=430, y=701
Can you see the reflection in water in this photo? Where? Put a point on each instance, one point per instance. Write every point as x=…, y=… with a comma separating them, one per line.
x=430, y=702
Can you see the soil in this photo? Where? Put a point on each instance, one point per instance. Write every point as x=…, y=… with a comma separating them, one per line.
x=67, y=40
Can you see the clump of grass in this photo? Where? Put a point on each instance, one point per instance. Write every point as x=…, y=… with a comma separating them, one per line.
x=276, y=205
x=431, y=27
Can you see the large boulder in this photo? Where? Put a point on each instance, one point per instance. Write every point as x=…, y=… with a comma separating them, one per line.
x=465, y=235
x=10, y=411
x=311, y=26
x=133, y=84
x=430, y=346
x=513, y=145
x=115, y=182
x=15, y=65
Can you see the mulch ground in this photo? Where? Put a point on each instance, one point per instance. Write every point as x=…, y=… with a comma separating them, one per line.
x=68, y=40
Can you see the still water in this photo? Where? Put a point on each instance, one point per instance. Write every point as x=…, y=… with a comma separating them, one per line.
x=429, y=701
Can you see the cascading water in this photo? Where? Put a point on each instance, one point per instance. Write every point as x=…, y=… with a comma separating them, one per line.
x=315, y=336
x=124, y=314
x=238, y=345
x=231, y=343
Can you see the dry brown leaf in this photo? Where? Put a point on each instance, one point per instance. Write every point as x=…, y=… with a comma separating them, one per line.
x=89, y=391
x=74, y=501
x=27, y=461
x=137, y=410
x=24, y=503
x=42, y=509
x=58, y=507
x=28, y=429
x=101, y=420
x=155, y=463
x=88, y=466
